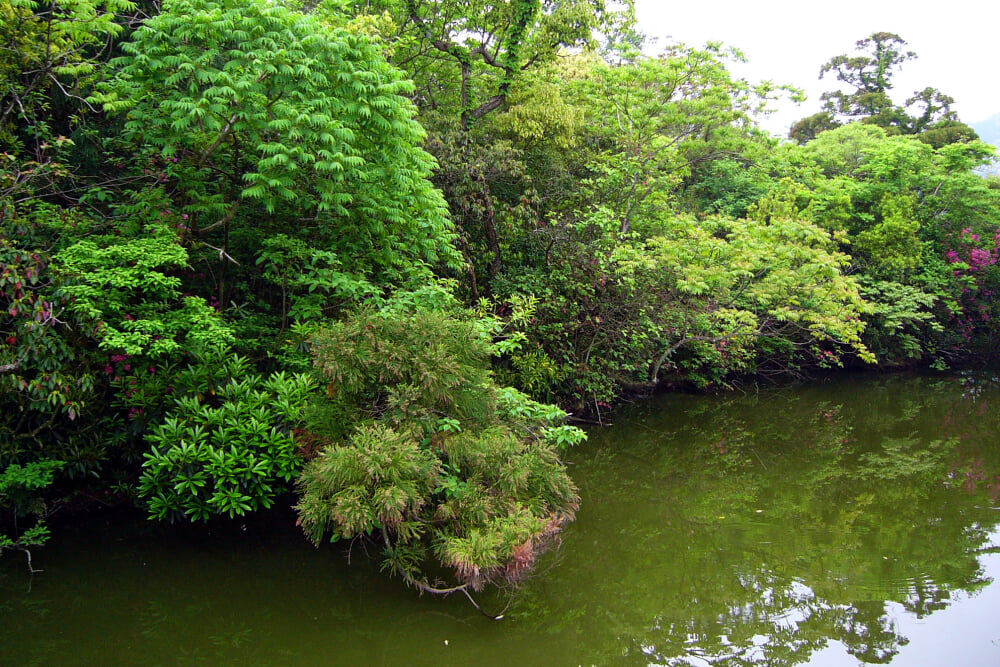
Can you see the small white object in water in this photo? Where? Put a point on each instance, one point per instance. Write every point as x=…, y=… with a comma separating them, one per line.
x=445, y=642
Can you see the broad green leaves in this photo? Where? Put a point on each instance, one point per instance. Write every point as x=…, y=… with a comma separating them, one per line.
x=230, y=453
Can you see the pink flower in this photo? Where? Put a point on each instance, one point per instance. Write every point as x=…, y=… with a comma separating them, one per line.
x=979, y=258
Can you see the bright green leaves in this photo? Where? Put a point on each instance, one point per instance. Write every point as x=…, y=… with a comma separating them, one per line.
x=538, y=115
x=129, y=286
x=660, y=116
x=467, y=55
x=731, y=282
x=18, y=488
x=901, y=317
x=258, y=103
x=902, y=209
x=229, y=453
x=892, y=247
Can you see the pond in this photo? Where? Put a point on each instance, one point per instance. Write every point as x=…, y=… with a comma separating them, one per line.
x=854, y=521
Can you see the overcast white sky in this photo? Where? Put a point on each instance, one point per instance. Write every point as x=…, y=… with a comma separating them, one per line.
x=957, y=43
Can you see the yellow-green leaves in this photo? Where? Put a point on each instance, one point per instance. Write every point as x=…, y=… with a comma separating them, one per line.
x=733, y=282
x=48, y=52
x=129, y=285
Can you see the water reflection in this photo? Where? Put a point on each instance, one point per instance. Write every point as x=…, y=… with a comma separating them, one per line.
x=761, y=530
x=831, y=525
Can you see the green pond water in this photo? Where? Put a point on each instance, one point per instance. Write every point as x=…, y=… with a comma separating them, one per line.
x=850, y=522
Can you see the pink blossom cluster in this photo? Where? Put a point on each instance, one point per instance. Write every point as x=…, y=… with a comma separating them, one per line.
x=977, y=258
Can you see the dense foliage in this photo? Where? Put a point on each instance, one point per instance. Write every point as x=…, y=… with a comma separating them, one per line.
x=419, y=446
x=443, y=213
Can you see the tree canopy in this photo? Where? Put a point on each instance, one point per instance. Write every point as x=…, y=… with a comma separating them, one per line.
x=869, y=73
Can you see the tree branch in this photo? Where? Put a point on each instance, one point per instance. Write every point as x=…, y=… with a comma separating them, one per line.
x=226, y=131
x=679, y=344
x=424, y=587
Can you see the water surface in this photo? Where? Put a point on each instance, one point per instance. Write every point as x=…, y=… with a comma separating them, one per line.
x=850, y=522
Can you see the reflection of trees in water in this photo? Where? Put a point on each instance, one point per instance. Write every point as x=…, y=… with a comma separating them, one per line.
x=193, y=632
x=784, y=627
x=713, y=532
x=751, y=531
x=163, y=631
x=19, y=613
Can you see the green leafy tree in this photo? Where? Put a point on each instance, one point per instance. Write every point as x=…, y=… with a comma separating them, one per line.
x=870, y=75
x=257, y=115
x=908, y=214
x=129, y=287
x=50, y=50
x=53, y=389
x=812, y=126
x=773, y=281
x=469, y=62
x=869, y=72
x=656, y=119
x=466, y=56
x=654, y=135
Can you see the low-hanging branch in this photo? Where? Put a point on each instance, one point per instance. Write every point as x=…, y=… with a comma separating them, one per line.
x=424, y=587
x=655, y=371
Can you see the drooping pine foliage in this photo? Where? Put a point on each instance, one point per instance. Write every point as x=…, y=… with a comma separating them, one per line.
x=431, y=458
